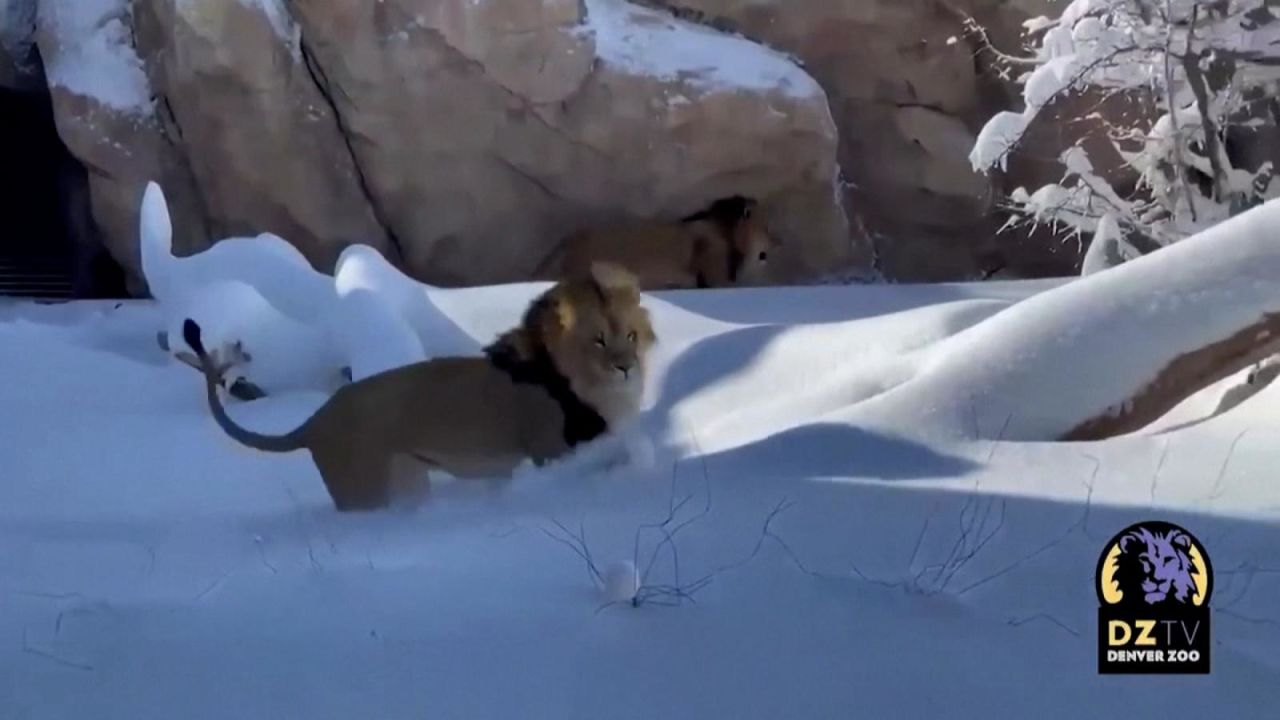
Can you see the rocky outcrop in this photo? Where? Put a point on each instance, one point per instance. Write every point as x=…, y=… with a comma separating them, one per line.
x=909, y=88
x=19, y=65
x=264, y=146
x=460, y=138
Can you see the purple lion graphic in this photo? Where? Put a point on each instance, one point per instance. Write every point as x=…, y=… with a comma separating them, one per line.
x=1159, y=563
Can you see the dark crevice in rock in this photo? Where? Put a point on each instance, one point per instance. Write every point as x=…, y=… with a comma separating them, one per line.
x=53, y=247
x=170, y=131
x=924, y=106
x=321, y=81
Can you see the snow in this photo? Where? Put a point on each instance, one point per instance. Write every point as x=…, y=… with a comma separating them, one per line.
x=281, y=21
x=648, y=42
x=415, y=304
x=371, y=336
x=266, y=262
x=1067, y=353
x=822, y=451
x=1113, y=47
x=1108, y=248
x=996, y=139
x=300, y=327
x=91, y=52
x=284, y=354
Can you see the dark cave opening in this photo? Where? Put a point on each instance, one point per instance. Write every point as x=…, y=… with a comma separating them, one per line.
x=49, y=244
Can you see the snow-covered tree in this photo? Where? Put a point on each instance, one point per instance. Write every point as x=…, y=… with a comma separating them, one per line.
x=1206, y=71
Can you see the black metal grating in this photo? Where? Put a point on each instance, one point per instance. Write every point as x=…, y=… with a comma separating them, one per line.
x=45, y=278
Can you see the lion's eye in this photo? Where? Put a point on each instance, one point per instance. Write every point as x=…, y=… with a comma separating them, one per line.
x=600, y=340
x=631, y=336
x=763, y=256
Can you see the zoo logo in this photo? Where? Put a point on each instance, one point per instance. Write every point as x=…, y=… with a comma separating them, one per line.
x=1154, y=581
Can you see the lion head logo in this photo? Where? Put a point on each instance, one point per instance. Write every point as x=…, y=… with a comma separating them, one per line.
x=1154, y=563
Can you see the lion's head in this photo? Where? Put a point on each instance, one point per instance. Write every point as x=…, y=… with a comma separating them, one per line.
x=593, y=330
x=742, y=223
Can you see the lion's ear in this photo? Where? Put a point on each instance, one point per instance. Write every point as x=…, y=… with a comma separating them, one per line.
x=557, y=318
x=1181, y=540
x=615, y=281
x=645, y=326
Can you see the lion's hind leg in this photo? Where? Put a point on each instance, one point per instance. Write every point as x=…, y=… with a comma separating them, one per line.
x=410, y=481
x=356, y=479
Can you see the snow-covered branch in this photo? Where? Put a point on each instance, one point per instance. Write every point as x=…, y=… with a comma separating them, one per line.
x=1199, y=65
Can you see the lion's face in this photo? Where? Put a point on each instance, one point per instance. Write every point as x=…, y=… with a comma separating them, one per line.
x=754, y=246
x=607, y=349
x=598, y=335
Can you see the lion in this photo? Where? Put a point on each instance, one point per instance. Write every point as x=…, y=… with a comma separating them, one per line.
x=572, y=369
x=725, y=244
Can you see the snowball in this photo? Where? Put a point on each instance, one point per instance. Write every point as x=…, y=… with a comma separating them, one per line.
x=621, y=582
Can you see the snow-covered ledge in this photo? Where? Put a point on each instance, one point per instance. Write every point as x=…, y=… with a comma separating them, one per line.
x=1105, y=354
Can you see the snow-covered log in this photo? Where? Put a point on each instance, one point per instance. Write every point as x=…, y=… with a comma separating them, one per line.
x=1106, y=354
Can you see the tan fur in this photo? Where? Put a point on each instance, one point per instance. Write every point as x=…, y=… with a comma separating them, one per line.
x=465, y=415
x=726, y=244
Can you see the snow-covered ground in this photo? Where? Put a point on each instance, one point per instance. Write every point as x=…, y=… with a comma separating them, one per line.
x=149, y=567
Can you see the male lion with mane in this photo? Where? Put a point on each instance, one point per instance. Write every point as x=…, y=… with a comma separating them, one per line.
x=574, y=367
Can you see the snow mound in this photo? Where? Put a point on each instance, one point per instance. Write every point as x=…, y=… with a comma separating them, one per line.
x=1042, y=367
x=372, y=336
x=361, y=267
x=284, y=355
x=94, y=54
x=156, y=569
x=1108, y=248
x=269, y=264
x=652, y=43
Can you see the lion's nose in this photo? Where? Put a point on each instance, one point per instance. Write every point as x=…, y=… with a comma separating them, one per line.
x=624, y=369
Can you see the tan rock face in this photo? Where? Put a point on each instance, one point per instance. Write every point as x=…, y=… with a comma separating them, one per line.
x=261, y=140
x=107, y=119
x=908, y=91
x=460, y=138
x=488, y=130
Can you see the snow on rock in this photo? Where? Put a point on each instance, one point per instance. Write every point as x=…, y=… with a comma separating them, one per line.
x=649, y=42
x=91, y=52
x=281, y=21
x=1044, y=366
x=202, y=13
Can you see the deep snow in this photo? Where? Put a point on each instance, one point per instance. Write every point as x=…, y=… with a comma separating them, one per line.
x=153, y=568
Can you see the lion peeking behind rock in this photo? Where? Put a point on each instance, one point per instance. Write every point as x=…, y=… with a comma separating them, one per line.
x=573, y=368
x=722, y=245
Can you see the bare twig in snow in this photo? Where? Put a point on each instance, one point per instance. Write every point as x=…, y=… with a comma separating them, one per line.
x=28, y=648
x=1217, y=490
x=1018, y=622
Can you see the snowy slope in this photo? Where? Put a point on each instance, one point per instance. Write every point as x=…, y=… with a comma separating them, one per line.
x=151, y=568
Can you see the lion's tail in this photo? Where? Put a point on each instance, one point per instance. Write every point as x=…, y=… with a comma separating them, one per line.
x=268, y=443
